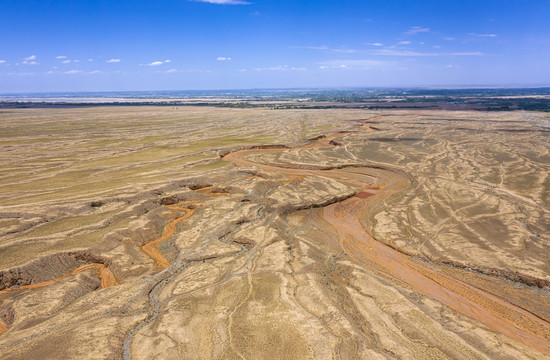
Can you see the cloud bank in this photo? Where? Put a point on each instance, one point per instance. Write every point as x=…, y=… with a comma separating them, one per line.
x=417, y=29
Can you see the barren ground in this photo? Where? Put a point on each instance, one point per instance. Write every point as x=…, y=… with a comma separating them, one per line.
x=166, y=233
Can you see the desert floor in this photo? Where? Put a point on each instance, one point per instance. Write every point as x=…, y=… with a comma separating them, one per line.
x=201, y=232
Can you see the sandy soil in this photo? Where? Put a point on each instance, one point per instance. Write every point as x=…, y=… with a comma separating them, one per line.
x=148, y=232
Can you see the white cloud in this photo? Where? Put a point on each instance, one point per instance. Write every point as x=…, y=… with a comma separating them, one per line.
x=326, y=48
x=343, y=50
x=392, y=52
x=221, y=58
x=466, y=53
x=224, y=2
x=61, y=57
x=448, y=38
x=281, y=68
x=76, y=61
x=322, y=47
x=30, y=60
x=113, y=60
x=417, y=29
x=90, y=59
x=20, y=74
x=66, y=61
x=483, y=35
x=172, y=71
x=2, y=61
x=361, y=64
x=404, y=42
x=376, y=44
x=157, y=63
x=74, y=72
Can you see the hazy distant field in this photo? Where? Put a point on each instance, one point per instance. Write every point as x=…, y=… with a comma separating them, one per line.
x=364, y=234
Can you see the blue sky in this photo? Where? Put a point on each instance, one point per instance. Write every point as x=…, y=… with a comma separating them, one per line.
x=106, y=45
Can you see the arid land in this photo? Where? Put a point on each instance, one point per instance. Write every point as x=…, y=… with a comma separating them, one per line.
x=153, y=232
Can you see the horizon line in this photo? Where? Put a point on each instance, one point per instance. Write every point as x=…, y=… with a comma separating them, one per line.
x=422, y=87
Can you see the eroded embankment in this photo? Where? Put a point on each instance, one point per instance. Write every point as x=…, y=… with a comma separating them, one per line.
x=51, y=269
x=27, y=277
x=430, y=280
x=106, y=276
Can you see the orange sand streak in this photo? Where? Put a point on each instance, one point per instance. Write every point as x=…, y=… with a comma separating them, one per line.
x=107, y=277
x=34, y=286
x=292, y=178
x=215, y=194
x=504, y=317
x=151, y=248
x=204, y=191
x=3, y=327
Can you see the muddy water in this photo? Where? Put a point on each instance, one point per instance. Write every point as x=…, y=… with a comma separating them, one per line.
x=428, y=280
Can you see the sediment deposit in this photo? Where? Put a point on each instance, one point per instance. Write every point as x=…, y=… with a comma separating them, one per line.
x=156, y=232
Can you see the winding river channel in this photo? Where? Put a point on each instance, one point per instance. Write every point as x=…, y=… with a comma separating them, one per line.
x=429, y=279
